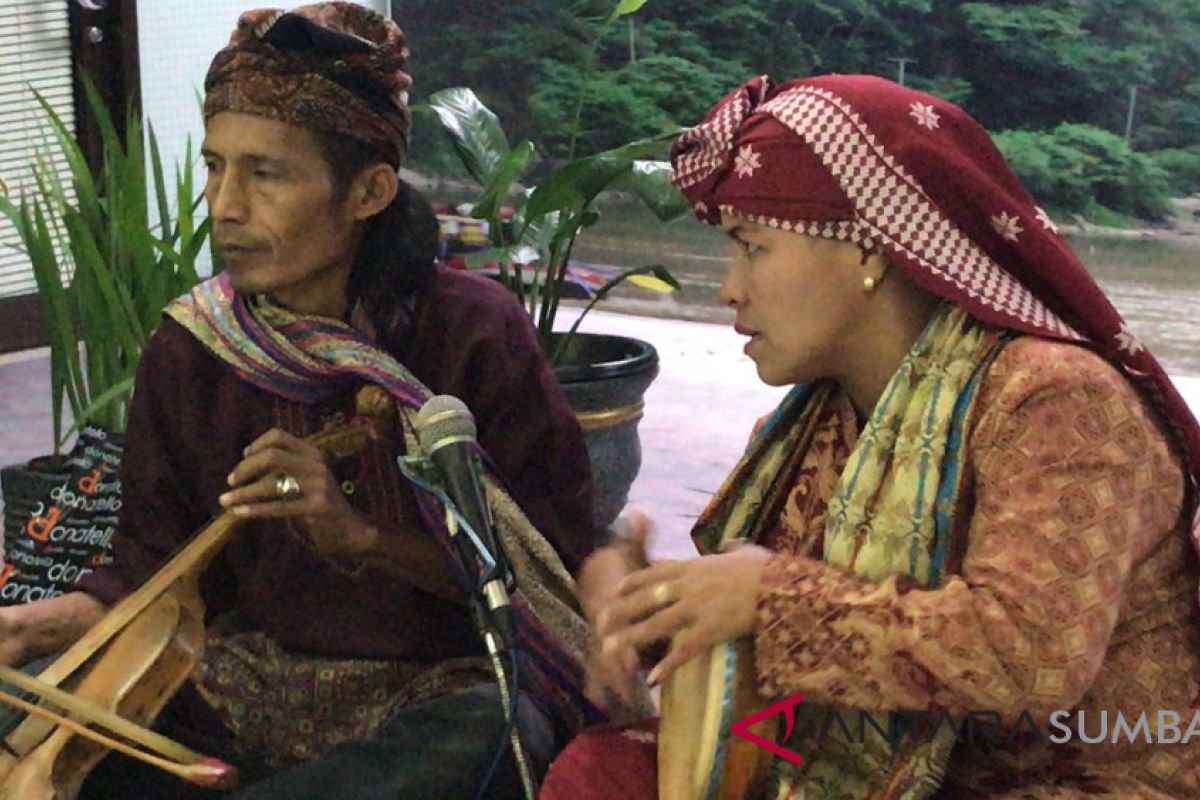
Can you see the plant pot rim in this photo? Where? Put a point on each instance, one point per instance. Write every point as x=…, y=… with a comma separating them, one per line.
x=48, y=464
x=626, y=355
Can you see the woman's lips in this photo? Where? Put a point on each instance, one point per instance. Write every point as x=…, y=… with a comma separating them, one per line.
x=753, y=334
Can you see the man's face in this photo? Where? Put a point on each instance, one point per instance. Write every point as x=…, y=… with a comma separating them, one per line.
x=276, y=222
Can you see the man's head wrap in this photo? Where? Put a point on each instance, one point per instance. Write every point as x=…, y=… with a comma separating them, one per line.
x=865, y=160
x=328, y=67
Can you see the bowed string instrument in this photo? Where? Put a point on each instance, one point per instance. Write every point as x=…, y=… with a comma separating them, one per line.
x=103, y=692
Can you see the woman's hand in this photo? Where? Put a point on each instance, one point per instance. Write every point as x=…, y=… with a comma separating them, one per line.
x=262, y=490
x=613, y=683
x=696, y=604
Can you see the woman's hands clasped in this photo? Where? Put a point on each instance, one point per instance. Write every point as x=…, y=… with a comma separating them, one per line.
x=635, y=606
x=612, y=683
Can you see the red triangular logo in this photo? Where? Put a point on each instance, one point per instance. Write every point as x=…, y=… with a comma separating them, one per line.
x=742, y=727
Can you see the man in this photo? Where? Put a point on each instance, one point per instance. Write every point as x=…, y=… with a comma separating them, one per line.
x=341, y=659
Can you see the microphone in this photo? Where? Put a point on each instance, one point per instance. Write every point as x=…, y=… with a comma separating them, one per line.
x=446, y=430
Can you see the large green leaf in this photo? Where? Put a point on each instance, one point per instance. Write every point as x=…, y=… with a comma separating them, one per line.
x=190, y=237
x=96, y=104
x=189, y=251
x=512, y=254
x=101, y=297
x=580, y=181
x=87, y=197
x=184, y=188
x=651, y=182
x=475, y=130
x=497, y=187
x=574, y=184
x=66, y=373
x=627, y=7
x=160, y=183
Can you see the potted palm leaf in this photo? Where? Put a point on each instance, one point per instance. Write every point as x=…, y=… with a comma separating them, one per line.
x=104, y=272
x=605, y=377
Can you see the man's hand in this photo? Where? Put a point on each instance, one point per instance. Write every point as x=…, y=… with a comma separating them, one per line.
x=334, y=527
x=46, y=626
x=613, y=683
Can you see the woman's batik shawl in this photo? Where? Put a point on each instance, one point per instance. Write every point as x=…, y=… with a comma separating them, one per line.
x=892, y=513
x=305, y=358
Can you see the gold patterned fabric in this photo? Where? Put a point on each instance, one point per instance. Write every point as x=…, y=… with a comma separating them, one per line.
x=1069, y=585
x=1075, y=591
x=890, y=512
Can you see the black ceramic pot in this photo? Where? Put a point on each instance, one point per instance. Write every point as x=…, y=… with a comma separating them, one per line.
x=605, y=379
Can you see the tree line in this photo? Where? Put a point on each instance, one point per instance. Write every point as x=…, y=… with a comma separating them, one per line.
x=1054, y=80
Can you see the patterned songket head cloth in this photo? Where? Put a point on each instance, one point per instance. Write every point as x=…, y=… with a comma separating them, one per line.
x=329, y=67
x=862, y=159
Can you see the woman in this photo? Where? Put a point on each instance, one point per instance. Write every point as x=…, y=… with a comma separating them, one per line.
x=978, y=496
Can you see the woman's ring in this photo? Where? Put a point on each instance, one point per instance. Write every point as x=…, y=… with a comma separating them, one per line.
x=662, y=593
x=287, y=487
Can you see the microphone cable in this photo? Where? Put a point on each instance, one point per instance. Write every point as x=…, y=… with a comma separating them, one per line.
x=510, y=722
x=507, y=637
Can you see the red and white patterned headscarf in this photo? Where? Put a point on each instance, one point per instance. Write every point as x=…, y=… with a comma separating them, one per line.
x=862, y=159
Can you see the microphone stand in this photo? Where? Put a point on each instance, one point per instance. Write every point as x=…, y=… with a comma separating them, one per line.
x=493, y=618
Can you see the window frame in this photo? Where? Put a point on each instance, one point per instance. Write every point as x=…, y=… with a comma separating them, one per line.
x=110, y=60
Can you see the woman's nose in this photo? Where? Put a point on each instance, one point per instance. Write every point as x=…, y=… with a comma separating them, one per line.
x=730, y=291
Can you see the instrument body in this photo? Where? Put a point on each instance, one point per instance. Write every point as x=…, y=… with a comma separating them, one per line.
x=134, y=660
x=135, y=676
x=698, y=757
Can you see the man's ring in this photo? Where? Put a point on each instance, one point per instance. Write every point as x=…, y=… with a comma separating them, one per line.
x=662, y=593
x=287, y=487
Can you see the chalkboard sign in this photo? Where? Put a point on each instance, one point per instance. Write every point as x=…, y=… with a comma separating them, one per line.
x=69, y=531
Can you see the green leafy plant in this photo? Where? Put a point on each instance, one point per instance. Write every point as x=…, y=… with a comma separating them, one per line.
x=104, y=273
x=1182, y=167
x=549, y=215
x=1080, y=169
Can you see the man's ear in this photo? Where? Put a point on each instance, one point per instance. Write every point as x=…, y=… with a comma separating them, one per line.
x=373, y=189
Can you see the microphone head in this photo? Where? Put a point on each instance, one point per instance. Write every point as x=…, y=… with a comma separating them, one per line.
x=442, y=420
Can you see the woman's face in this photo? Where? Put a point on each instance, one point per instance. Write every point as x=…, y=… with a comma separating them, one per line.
x=799, y=298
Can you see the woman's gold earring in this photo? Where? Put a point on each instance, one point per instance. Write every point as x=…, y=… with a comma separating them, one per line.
x=868, y=284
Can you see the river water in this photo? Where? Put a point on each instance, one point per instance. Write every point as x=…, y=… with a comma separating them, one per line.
x=1153, y=282
x=1157, y=289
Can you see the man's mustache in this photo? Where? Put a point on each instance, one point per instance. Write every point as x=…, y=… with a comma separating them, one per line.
x=227, y=242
